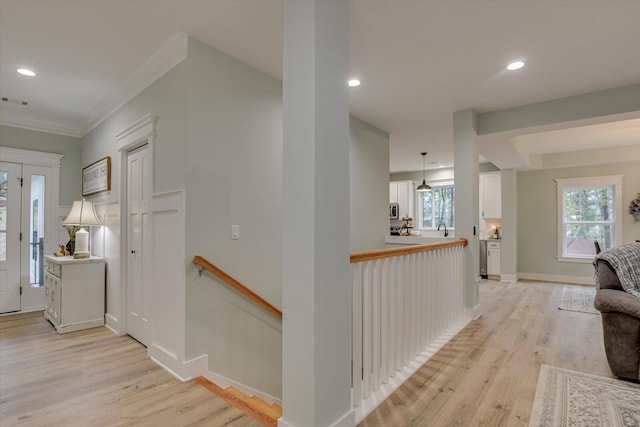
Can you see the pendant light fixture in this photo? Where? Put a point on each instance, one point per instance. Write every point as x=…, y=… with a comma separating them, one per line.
x=424, y=186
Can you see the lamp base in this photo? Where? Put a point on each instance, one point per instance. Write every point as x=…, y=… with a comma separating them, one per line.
x=81, y=255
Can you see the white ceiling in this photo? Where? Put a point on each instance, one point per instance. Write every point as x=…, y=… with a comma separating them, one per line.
x=419, y=61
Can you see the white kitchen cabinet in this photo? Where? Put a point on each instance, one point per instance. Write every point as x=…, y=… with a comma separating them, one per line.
x=393, y=192
x=401, y=192
x=493, y=258
x=74, y=293
x=490, y=195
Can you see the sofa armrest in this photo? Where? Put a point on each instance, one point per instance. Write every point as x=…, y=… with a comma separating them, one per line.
x=612, y=301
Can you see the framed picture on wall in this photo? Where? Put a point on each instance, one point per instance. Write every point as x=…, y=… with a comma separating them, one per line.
x=96, y=177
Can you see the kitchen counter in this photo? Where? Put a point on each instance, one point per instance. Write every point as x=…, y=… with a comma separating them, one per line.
x=416, y=240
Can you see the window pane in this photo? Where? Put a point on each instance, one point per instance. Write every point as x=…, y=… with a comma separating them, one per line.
x=443, y=206
x=3, y=216
x=427, y=209
x=579, y=238
x=37, y=230
x=589, y=204
x=3, y=201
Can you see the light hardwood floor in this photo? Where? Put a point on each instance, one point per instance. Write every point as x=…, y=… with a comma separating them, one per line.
x=95, y=378
x=486, y=376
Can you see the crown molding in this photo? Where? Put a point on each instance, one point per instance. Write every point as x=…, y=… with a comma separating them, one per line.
x=164, y=59
x=170, y=54
x=27, y=121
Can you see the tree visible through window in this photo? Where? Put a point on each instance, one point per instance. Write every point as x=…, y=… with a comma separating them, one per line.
x=588, y=212
x=437, y=207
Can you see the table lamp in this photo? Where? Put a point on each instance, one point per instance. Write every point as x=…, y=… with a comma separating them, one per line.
x=82, y=214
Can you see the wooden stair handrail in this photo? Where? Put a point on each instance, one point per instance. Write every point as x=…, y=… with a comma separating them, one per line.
x=404, y=250
x=206, y=265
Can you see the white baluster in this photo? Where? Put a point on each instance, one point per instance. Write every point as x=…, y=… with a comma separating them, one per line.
x=384, y=316
x=376, y=319
x=356, y=334
x=367, y=326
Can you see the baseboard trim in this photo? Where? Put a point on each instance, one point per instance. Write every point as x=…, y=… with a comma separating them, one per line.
x=511, y=278
x=112, y=323
x=557, y=278
x=346, y=420
x=184, y=371
x=473, y=313
x=224, y=382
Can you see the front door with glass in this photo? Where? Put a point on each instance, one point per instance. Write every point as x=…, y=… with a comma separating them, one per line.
x=10, y=206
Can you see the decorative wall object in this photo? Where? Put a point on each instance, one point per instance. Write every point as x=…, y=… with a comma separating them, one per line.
x=634, y=208
x=96, y=177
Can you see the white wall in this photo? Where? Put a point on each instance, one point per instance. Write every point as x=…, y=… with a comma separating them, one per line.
x=537, y=217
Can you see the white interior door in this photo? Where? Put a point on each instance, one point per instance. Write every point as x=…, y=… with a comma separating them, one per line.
x=139, y=283
x=10, y=205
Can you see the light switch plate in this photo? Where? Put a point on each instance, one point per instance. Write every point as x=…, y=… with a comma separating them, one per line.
x=235, y=232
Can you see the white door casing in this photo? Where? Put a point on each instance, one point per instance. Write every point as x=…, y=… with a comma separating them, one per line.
x=139, y=250
x=10, y=230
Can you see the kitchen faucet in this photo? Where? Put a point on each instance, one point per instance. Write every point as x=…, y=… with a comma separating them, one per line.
x=446, y=233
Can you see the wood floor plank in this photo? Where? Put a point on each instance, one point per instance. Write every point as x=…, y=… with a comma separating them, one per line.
x=487, y=375
x=94, y=378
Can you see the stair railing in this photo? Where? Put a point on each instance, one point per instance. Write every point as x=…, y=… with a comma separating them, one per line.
x=204, y=264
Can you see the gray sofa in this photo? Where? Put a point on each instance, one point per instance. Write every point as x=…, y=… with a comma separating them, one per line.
x=620, y=323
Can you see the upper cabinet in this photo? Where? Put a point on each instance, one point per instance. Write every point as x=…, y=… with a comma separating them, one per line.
x=401, y=192
x=490, y=195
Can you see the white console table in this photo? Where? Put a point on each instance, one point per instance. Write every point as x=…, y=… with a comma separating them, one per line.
x=74, y=292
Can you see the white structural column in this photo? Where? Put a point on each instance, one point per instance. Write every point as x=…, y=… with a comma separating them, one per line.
x=508, y=245
x=465, y=161
x=316, y=376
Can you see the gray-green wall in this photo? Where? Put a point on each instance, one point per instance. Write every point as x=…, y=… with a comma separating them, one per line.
x=233, y=175
x=164, y=99
x=369, y=190
x=537, y=216
x=68, y=146
x=219, y=137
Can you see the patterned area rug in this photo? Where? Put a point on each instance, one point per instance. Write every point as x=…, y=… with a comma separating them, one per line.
x=569, y=398
x=578, y=298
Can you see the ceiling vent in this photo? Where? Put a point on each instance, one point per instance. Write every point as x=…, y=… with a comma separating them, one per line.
x=14, y=101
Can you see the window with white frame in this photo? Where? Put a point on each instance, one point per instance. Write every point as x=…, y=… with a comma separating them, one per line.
x=589, y=210
x=436, y=206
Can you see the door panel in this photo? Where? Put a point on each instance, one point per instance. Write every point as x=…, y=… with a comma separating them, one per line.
x=10, y=211
x=139, y=296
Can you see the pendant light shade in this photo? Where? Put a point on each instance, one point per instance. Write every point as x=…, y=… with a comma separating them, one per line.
x=424, y=186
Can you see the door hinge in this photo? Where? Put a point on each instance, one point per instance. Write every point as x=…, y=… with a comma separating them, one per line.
x=21, y=236
x=20, y=290
x=21, y=181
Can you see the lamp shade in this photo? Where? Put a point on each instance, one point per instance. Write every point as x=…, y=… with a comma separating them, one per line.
x=82, y=213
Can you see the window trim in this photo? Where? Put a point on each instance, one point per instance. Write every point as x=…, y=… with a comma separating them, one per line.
x=418, y=203
x=586, y=182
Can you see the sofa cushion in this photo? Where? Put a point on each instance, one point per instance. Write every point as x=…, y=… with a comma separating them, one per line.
x=611, y=300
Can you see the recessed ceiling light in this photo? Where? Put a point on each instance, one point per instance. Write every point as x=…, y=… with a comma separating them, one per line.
x=354, y=82
x=26, y=72
x=515, y=65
